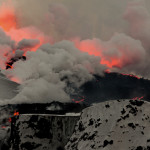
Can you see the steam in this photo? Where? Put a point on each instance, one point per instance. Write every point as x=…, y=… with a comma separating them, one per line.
x=48, y=72
x=118, y=52
x=6, y=47
x=62, y=55
x=139, y=21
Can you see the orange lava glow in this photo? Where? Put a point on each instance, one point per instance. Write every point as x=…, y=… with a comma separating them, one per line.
x=16, y=113
x=15, y=79
x=92, y=48
x=10, y=24
x=79, y=101
x=138, y=98
x=9, y=66
x=7, y=17
x=131, y=75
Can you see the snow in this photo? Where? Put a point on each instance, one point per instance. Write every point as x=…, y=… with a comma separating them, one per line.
x=113, y=125
x=42, y=132
x=67, y=114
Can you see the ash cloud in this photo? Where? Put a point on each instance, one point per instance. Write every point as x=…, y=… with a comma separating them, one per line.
x=46, y=73
x=118, y=52
x=103, y=38
x=139, y=22
x=27, y=43
x=6, y=46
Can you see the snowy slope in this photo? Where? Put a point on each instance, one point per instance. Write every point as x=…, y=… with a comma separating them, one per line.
x=42, y=131
x=113, y=125
x=7, y=88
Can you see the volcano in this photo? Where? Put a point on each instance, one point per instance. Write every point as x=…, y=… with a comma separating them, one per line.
x=56, y=62
x=113, y=86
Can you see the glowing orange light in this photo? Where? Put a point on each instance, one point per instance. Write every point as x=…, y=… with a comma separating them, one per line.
x=10, y=66
x=79, y=101
x=16, y=113
x=7, y=16
x=138, y=98
x=15, y=79
x=131, y=75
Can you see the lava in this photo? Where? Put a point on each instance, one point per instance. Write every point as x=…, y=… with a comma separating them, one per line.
x=8, y=65
x=131, y=75
x=16, y=113
x=138, y=98
x=79, y=101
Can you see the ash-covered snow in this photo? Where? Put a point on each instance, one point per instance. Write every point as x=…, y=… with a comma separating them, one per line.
x=42, y=132
x=113, y=125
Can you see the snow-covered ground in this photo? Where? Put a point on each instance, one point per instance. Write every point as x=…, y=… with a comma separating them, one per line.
x=113, y=125
x=42, y=132
x=67, y=114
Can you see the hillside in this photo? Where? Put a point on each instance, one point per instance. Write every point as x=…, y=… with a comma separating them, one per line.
x=113, y=125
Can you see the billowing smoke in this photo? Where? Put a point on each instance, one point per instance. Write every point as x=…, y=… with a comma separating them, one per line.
x=139, y=22
x=118, y=52
x=52, y=72
x=51, y=55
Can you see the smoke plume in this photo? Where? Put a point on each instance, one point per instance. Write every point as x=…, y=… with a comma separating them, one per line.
x=46, y=73
x=53, y=48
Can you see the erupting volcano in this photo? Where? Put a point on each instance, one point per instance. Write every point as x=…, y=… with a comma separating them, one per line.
x=43, y=63
x=38, y=60
x=60, y=57
x=30, y=39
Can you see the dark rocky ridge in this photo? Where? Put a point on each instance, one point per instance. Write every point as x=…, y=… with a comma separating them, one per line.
x=114, y=86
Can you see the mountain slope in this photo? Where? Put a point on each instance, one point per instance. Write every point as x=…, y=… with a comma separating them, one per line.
x=113, y=125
